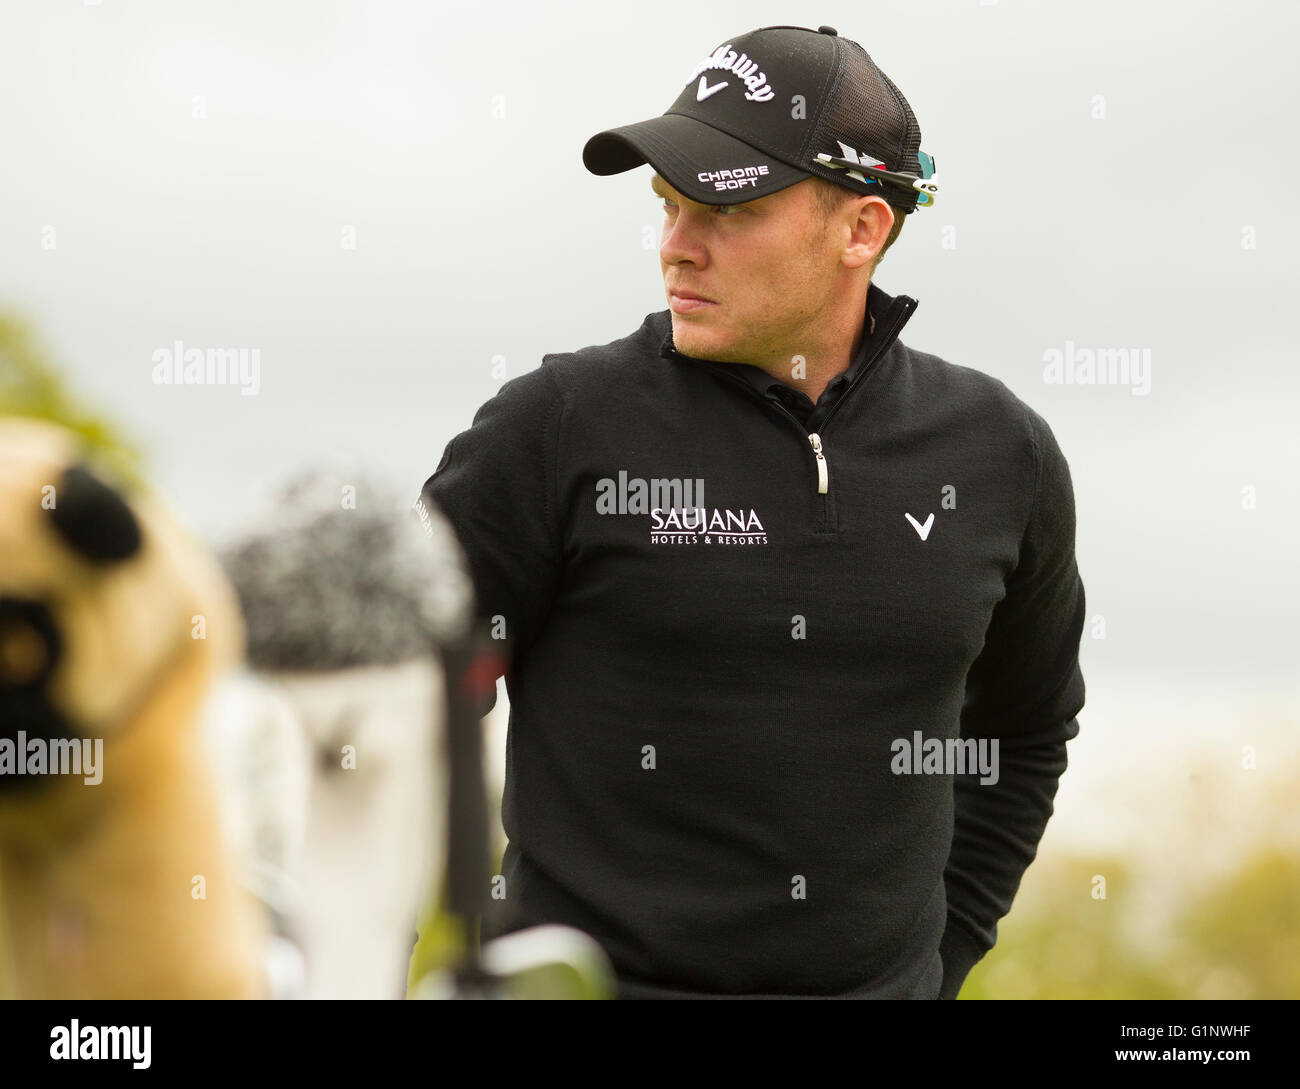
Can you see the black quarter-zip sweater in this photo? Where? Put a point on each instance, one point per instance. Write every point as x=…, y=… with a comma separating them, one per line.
x=720, y=639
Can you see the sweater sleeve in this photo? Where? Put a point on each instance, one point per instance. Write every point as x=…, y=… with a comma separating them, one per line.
x=496, y=483
x=1025, y=689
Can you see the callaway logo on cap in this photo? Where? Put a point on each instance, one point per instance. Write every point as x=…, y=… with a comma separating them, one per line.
x=771, y=108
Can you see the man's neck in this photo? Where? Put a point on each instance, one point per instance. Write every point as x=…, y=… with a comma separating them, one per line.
x=817, y=372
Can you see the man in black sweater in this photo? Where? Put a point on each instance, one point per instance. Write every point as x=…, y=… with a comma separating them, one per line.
x=791, y=610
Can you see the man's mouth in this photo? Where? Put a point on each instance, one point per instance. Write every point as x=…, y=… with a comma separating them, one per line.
x=687, y=302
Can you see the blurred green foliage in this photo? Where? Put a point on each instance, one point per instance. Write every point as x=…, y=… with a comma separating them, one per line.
x=1243, y=938
x=1065, y=943
x=1238, y=938
x=31, y=385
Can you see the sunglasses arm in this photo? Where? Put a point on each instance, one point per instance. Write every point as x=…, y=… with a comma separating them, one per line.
x=926, y=187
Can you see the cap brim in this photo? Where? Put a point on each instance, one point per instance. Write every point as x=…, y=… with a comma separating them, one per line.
x=703, y=163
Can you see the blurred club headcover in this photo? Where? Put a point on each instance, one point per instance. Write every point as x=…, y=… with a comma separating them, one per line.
x=540, y=962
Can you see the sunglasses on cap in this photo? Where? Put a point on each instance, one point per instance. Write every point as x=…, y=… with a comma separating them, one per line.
x=869, y=172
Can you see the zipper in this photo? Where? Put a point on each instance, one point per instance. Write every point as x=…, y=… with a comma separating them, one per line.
x=822, y=481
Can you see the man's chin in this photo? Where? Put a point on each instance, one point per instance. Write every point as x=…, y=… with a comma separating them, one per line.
x=691, y=337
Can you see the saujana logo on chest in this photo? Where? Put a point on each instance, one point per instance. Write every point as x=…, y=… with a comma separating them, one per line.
x=701, y=520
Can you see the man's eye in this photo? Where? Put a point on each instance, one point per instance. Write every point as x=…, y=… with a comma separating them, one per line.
x=721, y=209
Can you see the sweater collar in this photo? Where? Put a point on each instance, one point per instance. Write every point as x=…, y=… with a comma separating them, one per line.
x=884, y=308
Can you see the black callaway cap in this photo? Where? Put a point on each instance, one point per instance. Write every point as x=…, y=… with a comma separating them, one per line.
x=771, y=108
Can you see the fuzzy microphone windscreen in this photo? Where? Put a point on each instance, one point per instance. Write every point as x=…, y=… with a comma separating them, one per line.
x=342, y=571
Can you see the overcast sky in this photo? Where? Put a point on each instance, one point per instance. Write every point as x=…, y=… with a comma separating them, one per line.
x=1113, y=174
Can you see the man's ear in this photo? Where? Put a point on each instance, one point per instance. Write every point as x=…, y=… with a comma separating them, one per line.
x=875, y=221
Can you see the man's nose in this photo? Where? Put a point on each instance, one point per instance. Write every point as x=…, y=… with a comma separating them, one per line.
x=683, y=239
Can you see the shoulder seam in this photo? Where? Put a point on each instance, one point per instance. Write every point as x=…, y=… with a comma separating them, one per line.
x=1038, y=470
x=551, y=438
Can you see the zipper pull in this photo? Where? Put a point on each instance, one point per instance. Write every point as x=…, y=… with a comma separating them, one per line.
x=822, y=482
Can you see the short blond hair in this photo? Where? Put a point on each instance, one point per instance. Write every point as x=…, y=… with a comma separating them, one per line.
x=832, y=197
